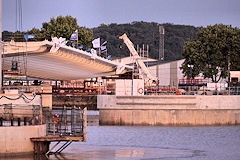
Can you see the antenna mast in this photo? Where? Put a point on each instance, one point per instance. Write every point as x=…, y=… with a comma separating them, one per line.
x=161, y=42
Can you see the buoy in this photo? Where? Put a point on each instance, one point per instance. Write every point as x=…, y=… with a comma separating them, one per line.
x=140, y=90
x=57, y=118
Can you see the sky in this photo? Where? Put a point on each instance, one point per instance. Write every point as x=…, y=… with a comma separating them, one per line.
x=92, y=13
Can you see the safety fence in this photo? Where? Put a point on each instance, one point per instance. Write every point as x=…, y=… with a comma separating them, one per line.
x=163, y=90
x=196, y=82
x=159, y=90
x=195, y=90
x=19, y=115
x=84, y=91
x=65, y=121
x=23, y=89
x=181, y=90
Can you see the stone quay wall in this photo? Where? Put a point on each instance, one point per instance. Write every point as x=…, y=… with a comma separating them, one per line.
x=169, y=110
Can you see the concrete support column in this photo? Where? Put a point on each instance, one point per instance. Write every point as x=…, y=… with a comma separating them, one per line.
x=41, y=148
x=46, y=96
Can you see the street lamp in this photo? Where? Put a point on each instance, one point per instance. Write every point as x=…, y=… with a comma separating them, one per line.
x=190, y=66
x=229, y=79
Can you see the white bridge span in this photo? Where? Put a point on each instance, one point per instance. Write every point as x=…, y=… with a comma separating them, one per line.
x=56, y=61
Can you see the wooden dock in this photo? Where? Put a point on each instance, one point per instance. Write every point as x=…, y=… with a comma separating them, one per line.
x=56, y=138
x=41, y=144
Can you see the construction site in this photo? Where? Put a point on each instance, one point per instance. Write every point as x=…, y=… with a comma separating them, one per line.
x=40, y=91
x=47, y=87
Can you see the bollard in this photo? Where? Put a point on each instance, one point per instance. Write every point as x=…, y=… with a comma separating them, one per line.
x=25, y=121
x=19, y=122
x=11, y=121
x=1, y=121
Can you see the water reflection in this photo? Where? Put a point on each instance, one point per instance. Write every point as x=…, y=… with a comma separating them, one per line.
x=123, y=153
x=129, y=153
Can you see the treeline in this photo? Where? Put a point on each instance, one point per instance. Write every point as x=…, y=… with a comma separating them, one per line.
x=139, y=33
x=62, y=26
x=148, y=34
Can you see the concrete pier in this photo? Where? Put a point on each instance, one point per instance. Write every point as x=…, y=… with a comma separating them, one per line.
x=170, y=110
x=16, y=140
x=26, y=110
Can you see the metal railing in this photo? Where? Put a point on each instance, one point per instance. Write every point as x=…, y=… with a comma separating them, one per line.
x=193, y=81
x=24, y=89
x=66, y=121
x=84, y=91
x=18, y=115
x=161, y=90
x=167, y=90
x=188, y=90
x=195, y=90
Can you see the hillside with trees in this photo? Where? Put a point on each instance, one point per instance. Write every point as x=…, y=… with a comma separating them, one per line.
x=139, y=33
x=146, y=33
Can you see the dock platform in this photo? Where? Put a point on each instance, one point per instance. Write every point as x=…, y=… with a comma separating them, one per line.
x=64, y=126
x=41, y=144
x=56, y=138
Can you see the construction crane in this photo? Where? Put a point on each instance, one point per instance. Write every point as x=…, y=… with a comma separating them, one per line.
x=138, y=59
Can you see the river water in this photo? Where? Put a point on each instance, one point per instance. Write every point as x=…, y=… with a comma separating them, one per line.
x=153, y=143
x=167, y=143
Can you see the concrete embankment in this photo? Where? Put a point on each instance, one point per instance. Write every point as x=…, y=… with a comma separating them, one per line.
x=169, y=110
x=16, y=140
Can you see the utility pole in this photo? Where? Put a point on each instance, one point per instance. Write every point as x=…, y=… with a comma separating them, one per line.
x=1, y=49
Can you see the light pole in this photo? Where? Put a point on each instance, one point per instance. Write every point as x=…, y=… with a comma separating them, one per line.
x=190, y=66
x=229, y=79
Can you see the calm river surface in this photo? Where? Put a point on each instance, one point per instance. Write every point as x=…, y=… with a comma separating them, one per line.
x=167, y=143
x=152, y=143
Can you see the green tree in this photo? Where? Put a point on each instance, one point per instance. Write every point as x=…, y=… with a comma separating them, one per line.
x=60, y=27
x=208, y=53
x=38, y=34
x=63, y=27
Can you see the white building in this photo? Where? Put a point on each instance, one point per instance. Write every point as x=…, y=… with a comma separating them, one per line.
x=170, y=74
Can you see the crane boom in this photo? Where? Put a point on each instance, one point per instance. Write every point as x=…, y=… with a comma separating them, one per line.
x=131, y=48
